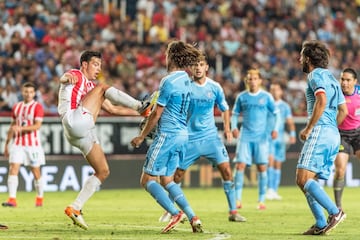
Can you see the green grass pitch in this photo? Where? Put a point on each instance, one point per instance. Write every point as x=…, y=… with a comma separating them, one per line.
x=133, y=214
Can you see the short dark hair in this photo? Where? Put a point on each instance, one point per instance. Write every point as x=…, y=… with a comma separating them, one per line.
x=29, y=85
x=317, y=53
x=87, y=55
x=351, y=71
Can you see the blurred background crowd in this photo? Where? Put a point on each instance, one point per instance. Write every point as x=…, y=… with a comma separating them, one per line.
x=41, y=39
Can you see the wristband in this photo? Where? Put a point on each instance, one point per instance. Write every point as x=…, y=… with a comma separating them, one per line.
x=292, y=134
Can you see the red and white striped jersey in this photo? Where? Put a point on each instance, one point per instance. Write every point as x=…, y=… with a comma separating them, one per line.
x=70, y=95
x=26, y=115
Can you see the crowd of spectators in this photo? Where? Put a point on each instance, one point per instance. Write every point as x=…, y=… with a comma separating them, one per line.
x=40, y=39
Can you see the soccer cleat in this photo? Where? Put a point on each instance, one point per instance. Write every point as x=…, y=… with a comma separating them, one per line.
x=175, y=220
x=334, y=220
x=196, y=225
x=314, y=230
x=147, y=104
x=236, y=217
x=76, y=217
x=261, y=206
x=3, y=227
x=270, y=194
x=276, y=196
x=238, y=205
x=165, y=217
x=39, y=202
x=11, y=202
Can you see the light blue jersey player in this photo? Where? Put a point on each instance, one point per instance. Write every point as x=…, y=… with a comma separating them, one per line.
x=253, y=146
x=204, y=140
x=326, y=109
x=278, y=145
x=168, y=147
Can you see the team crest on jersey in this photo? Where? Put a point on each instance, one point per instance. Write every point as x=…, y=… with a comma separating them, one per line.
x=209, y=94
x=262, y=101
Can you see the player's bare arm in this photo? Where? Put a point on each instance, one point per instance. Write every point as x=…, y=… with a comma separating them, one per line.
x=342, y=113
x=68, y=78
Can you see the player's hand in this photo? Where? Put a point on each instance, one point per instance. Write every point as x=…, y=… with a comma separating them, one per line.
x=16, y=129
x=304, y=134
x=69, y=78
x=274, y=134
x=235, y=133
x=137, y=141
x=292, y=140
x=228, y=136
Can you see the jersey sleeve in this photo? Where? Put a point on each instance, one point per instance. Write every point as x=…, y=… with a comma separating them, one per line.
x=237, y=106
x=317, y=83
x=220, y=99
x=39, y=112
x=164, y=93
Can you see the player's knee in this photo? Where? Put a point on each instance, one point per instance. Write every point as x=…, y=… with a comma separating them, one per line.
x=178, y=176
x=103, y=174
x=299, y=182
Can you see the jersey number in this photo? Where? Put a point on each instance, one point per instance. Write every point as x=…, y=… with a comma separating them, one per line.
x=333, y=104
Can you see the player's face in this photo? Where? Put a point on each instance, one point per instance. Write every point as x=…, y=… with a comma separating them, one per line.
x=347, y=82
x=199, y=70
x=92, y=68
x=304, y=62
x=253, y=81
x=276, y=91
x=28, y=94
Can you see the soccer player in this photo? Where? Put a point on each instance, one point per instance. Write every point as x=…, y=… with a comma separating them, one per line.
x=278, y=145
x=169, y=144
x=204, y=140
x=349, y=130
x=255, y=105
x=80, y=101
x=23, y=144
x=326, y=108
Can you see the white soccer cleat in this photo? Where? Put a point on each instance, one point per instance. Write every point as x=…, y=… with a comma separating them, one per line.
x=165, y=217
x=76, y=217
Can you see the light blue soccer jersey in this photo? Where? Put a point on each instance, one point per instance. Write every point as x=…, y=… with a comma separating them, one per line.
x=168, y=147
x=322, y=145
x=285, y=113
x=174, y=96
x=321, y=80
x=255, y=108
x=201, y=122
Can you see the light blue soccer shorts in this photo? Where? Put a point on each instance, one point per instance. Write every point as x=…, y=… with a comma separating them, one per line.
x=278, y=150
x=319, y=151
x=247, y=151
x=212, y=149
x=164, y=154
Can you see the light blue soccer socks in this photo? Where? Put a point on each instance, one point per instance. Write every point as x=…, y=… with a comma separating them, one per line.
x=159, y=194
x=318, y=193
x=239, y=183
x=276, y=179
x=229, y=190
x=316, y=210
x=177, y=194
x=262, y=182
x=271, y=178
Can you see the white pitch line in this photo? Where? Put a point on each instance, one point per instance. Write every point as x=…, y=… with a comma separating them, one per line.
x=180, y=228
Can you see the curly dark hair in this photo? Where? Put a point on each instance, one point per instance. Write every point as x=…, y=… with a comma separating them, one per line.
x=181, y=54
x=317, y=53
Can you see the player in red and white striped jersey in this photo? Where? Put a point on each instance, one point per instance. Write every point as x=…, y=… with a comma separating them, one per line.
x=23, y=145
x=80, y=101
